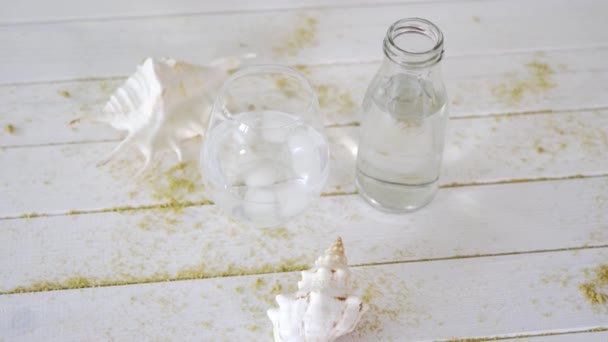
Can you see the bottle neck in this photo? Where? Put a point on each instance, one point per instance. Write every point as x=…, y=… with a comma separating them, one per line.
x=389, y=67
x=413, y=45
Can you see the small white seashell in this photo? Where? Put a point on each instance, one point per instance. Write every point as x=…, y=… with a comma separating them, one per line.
x=323, y=309
x=164, y=103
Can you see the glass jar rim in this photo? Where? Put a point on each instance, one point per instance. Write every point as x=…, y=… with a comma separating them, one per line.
x=261, y=69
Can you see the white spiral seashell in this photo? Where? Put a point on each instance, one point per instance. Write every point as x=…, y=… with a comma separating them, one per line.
x=164, y=103
x=323, y=309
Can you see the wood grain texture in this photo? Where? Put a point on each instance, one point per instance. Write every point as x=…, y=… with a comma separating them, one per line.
x=477, y=86
x=64, y=10
x=415, y=301
x=154, y=245
x=111, y=47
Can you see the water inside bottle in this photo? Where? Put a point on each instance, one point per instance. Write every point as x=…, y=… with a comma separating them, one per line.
x=401, y=144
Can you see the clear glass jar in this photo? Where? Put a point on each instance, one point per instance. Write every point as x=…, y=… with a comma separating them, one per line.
x=265, y=156
x=403, y=120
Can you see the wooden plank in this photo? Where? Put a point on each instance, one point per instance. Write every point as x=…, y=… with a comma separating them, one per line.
x=31, y=11
x=111, y=47
x=495, y=296
x=601, y=336
x=153, y=245
x=479, y=150
x=477, y=85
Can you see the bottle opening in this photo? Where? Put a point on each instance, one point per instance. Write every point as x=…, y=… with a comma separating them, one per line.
x=414, y=42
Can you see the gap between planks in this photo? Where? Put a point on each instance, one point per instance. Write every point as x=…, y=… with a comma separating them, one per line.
x=519, y=336
x=186, y=204
x=356, y=124
x=370, y=4
x=85, y=283
x=491, y=115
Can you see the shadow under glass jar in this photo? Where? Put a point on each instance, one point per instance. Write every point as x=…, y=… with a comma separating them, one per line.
x=403, y=120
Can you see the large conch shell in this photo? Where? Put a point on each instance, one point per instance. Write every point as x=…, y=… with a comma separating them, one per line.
x=164, y=103
x=323, y=309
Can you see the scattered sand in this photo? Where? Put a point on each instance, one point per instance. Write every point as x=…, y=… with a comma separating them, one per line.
x=536, y=81
x=10, y=129
x=301, y=37
x=595, y=291
x=65, y=93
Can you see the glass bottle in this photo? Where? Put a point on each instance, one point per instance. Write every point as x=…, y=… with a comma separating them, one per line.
x=403, y=120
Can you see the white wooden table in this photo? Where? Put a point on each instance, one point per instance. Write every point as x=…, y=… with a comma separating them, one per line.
x=89, y=254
